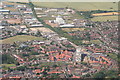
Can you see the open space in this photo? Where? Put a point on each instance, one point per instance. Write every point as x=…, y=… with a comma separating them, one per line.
x=20, y=38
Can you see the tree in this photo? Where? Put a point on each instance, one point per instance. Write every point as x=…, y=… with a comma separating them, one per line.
x=100, y=74
x=38, y=33
x=8, y=59
x=21, y=68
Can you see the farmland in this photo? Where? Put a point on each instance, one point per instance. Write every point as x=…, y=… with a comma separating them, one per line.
x=105, y=14
x=105, y=18
x=20, y=38
x=80, y=6
x=84, y=6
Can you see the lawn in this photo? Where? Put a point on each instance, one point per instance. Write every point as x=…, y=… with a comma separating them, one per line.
x=54, y=63
x=105, y=18
x=81, y=6
x=20, y=38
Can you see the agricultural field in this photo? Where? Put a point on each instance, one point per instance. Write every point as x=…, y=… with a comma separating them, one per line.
x=20, y=38
x=104, y=18
x=105, y=14
x=80, y=6
x=73, y=29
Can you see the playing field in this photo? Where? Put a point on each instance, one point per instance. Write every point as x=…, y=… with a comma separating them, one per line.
x=20, y=38
x=80, y=5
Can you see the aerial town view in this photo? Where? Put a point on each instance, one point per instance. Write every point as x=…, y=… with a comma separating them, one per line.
x=76, y=40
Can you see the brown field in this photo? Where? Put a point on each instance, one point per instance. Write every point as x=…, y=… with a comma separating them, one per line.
x=42, y=29
x=11, y=9
x=72, y=29
x=51, y=24
x=105, y=14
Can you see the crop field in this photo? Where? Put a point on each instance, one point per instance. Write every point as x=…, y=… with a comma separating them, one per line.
x=20, y=38
x=80, y=6
x=105, y=18
x=105, y=14
x=73, y=29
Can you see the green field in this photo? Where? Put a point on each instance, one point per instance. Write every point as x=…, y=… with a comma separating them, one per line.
x=76, y=5
x=81, y=6
x=96, y=41
x=84, y=6
x=105, y=18
x=8, y=65
x=20, y=38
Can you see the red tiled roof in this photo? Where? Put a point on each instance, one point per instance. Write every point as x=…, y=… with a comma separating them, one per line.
x=54, y=72
x=75, y=77
x=15, y=77
x=37, y=71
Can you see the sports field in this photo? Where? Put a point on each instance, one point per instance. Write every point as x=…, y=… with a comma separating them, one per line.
x=20, y=38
